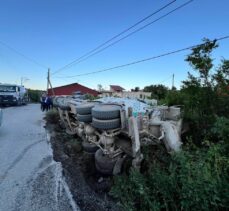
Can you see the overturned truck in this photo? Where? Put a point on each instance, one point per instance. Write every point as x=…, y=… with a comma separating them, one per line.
x=116, y=128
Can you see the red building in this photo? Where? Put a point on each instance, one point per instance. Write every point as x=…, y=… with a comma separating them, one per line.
x=70, y=88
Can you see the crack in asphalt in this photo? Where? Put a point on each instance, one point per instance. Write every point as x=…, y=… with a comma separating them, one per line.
x=18, y=159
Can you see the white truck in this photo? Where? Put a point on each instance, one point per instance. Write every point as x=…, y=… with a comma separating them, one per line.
x=12, y=94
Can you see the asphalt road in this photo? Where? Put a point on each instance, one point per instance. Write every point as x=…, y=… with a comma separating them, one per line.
x=29, y=177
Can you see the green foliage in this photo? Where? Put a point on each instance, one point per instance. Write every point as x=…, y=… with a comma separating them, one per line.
x=90, y=97
x=205, y=95
x=34, y=95
x=52, y=116
x=201, y=61
x=221, y=129
x=157, y=91
x=174, y=97
x=136, y=89
x=189, y=180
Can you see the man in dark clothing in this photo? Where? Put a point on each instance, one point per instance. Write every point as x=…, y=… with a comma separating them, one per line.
x=43, y=102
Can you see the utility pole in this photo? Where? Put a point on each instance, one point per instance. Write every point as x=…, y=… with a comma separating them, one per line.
x=173, y=81
x=48, y=79
x=23, y=79
x=49, y=83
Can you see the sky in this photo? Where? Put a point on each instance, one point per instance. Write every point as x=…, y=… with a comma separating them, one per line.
x=39, y=34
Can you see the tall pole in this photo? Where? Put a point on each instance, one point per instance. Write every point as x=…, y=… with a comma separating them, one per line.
x=173, y=81
x=49, y=83
x=48, y=79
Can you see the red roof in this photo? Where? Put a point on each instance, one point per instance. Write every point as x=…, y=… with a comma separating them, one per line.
x=70, y=88
x=116, y=88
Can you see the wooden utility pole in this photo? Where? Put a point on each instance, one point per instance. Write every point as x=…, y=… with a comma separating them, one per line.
x=48, y=79
x=173, y=81
x=49, y=83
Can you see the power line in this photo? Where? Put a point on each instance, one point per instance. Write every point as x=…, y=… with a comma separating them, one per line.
x=23, y=55
x=144, y=60
x=130, y=34
x=114, y=37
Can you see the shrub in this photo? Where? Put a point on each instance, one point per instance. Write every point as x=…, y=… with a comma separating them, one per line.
x=196, y=180
x=52, y=116
x=221, y=128
x=174, y=97
x=34, y=95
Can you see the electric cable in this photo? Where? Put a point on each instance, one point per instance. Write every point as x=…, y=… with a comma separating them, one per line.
x=23, y=55
x=114, y=37
x=144, y=60
x=128, y=35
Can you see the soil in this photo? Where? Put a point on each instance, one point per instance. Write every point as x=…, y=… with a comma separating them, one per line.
x=90, y=189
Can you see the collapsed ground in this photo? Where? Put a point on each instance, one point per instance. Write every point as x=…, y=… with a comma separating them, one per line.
x=90, y=189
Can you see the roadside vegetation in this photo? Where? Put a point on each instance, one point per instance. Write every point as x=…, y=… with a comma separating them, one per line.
x=197, y=178
x=34, y=95
x=52, y=116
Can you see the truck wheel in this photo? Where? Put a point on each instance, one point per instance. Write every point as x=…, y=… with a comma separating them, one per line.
x=106, y=112
x=89, y=147
x=103, y=171
x=84, y=108
x=18, y=102
x=106, y=124
x=103, y=163
x=84, y=118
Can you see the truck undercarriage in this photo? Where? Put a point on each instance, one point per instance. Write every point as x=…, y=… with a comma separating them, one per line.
x=114, y=128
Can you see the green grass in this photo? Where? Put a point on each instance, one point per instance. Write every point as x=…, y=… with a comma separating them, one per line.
x=190, y=180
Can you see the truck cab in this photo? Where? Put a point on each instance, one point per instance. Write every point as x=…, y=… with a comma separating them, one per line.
x=11, y=94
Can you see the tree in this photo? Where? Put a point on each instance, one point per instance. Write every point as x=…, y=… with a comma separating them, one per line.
x=99, y=87
x=136, y=89
x=34, y=95
x=157, y=91
x=200, y=92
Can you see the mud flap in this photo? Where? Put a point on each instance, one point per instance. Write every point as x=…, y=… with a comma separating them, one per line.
x=172, y=138
x=118, y=165
x=134, y=134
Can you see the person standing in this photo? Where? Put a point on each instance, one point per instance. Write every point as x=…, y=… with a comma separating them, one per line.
x=43, y=101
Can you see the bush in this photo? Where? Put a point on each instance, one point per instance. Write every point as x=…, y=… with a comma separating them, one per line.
x=174, y=97
x=52, y=116
x=196, y=180
x=90, y=97
x=221, y=128
x=34, y=95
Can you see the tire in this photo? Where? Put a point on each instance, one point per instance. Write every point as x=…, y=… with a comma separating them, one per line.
x=106, y=124
x=106, y=112
x=103, y=171
x=103, y=163
x=84, y=118
x=20, y=102
x=89, y=147
x=84, y=108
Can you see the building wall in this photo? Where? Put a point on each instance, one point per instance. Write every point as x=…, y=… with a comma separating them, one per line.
x=126, y=94
x=135, y=95
x=69, y=89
